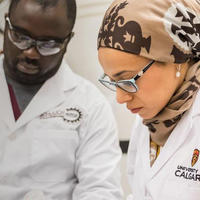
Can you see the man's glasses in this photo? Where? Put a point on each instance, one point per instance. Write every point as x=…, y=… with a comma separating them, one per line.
x=126, y=85
x=23, y=42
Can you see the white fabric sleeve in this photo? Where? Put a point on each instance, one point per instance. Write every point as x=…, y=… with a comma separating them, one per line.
x=132, y=151
x=98, y=157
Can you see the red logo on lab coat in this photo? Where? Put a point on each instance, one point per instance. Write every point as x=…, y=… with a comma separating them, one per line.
x=195, y=157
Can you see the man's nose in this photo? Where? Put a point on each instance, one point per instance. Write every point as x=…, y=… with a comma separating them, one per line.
x=31, y=53
x=123, y=96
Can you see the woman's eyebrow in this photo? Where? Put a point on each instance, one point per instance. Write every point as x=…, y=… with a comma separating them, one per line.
x=122, y=72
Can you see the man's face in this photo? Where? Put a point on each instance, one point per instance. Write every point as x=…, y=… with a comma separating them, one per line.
x=29, y=66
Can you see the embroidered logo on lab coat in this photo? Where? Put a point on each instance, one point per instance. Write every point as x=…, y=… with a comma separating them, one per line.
x=70, y=115
x=195, y=157
x=189, y=173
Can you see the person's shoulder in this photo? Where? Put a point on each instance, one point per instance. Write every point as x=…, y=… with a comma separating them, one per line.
x=138, y=123
x=138, y=129
x=89, y=89
x=85, y=92
x=88, y=97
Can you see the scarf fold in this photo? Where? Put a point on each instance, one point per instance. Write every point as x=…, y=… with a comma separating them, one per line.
x=162, y=125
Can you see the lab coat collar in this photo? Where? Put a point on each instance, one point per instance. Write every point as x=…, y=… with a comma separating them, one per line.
x=50, y=95
x=64, y=78
x=6, y=115
x=177, y=138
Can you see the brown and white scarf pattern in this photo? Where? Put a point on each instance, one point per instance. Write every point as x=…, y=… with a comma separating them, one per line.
x=161, y=125
x=165, y=31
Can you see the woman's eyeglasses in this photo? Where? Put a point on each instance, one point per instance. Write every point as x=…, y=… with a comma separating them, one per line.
x=126, y=85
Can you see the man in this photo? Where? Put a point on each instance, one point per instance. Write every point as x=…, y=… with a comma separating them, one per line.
x=58, y=137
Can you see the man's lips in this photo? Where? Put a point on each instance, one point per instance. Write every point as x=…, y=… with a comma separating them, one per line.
x=27, y=68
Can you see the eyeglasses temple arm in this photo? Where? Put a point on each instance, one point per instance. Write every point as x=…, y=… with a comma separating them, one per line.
x=144, y=70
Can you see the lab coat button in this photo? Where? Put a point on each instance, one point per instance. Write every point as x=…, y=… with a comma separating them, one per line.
x=34, y=195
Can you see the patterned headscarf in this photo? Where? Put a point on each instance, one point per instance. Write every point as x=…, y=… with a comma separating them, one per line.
x=161, y=30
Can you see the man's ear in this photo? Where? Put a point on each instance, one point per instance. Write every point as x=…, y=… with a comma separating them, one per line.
x=6, y=15
x=69, y=38
x=2, y=30
x=72, y=35
x=66, y=42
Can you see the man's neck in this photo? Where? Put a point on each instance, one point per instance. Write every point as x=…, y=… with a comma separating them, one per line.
x=23, y=93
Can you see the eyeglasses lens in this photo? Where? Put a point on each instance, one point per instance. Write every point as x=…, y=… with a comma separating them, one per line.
x=45, y=48
x=127, y=86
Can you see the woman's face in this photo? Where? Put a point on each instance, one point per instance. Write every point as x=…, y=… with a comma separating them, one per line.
x=156, y=86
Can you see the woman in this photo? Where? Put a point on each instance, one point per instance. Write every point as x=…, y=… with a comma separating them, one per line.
x=150, y=54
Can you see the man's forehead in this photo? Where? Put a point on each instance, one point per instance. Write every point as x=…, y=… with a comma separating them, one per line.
x=53, y=21
x=42, y=4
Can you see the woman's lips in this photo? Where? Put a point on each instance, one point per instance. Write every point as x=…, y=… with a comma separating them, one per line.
x=136, y=110
x=27, y=68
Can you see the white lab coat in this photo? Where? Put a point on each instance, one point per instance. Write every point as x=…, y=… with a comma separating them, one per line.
x=46, y=156
x=172, y=176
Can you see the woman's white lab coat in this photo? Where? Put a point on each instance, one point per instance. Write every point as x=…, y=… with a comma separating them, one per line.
x=173, y=176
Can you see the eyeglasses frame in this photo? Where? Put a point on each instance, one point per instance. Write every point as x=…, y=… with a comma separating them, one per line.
x=131, y=81
x=34, y=42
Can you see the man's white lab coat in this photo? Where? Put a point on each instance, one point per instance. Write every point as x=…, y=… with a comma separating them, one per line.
x=64, y=146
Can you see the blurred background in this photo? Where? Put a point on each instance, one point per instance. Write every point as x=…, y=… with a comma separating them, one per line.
x=82, y=57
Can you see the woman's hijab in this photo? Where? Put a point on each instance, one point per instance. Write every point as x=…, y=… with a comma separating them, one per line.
x=161, y=30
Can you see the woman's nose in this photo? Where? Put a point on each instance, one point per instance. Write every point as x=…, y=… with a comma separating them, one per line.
x=123, y=96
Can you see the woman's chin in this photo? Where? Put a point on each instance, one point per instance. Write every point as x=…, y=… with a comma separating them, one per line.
x=146, y=115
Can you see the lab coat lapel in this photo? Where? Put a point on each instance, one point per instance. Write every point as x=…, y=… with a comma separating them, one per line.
x=5, y=104
x=175, y=140
x=144, y=153
x=50, y=95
